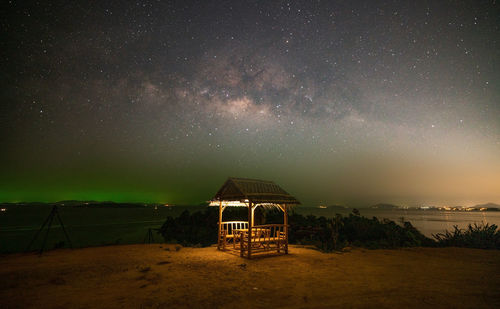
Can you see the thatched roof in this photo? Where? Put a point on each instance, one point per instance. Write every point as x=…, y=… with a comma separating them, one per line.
x=255, y=191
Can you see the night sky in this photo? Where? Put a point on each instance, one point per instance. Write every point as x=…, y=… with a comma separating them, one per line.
x=336, y=101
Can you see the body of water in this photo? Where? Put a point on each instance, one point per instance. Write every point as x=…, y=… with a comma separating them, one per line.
x=426, y=221
x=108, y=226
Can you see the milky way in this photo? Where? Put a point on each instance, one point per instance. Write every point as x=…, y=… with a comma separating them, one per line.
x=337, y=102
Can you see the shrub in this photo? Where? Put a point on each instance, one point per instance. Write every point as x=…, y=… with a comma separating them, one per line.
x=197, y=228
x=191, y=229
x=482, y=236
x=327, y=234
x=338, y=232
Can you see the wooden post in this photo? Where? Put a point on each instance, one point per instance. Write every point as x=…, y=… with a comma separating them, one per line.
x=285, y=221
x=220, y=226
x=250, y=225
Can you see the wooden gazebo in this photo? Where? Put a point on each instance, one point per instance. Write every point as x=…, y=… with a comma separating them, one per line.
x=244, y=235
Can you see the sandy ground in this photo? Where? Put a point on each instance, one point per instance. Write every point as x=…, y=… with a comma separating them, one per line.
x=158, y=276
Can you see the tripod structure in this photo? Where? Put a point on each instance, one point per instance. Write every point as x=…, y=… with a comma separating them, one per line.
x=53, y=213
x=149, y=239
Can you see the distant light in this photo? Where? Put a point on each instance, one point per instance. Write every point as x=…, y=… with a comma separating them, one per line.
x=3, y=209
x=228, y=203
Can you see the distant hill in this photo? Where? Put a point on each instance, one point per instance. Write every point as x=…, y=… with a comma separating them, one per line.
x=384, y=206
x=93, y=204
x=76, y=203
x=488, y=206
x=108, y=204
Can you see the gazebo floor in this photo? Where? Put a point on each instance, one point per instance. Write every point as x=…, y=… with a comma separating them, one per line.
x=256, y=252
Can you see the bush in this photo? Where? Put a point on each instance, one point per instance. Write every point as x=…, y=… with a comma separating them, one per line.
x=327, y=234
x=482, y=236
x=191, y=229
x=199, y=228
x=339, y=232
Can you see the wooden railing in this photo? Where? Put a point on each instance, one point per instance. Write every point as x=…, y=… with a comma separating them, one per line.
x=264, y=238
x=268, y=232
x=228, y=233
x=229, y=227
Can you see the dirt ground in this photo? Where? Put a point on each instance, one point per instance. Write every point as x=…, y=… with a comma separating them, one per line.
x=159, y=276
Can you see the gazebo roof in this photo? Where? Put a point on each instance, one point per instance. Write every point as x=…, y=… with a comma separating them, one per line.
x=255, y=191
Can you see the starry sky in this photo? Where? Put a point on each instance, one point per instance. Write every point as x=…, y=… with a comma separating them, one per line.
x=336, y=101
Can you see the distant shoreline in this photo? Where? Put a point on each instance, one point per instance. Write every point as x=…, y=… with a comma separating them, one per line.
x=380, y=206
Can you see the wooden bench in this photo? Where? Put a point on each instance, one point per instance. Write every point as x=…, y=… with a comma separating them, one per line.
x=229, y=231
x=264, y=238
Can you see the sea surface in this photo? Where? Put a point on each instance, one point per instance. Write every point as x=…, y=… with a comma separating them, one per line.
x=428, y=222
x=87, y=226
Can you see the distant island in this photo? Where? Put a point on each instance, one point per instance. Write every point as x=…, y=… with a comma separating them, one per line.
x=338, y=207
x=479, y=207
x=385, y=206
x=89, y=204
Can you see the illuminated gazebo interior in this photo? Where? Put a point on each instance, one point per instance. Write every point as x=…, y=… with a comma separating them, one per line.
x=245, y=236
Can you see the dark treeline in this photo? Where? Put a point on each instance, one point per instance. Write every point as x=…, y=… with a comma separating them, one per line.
x=327, y=234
